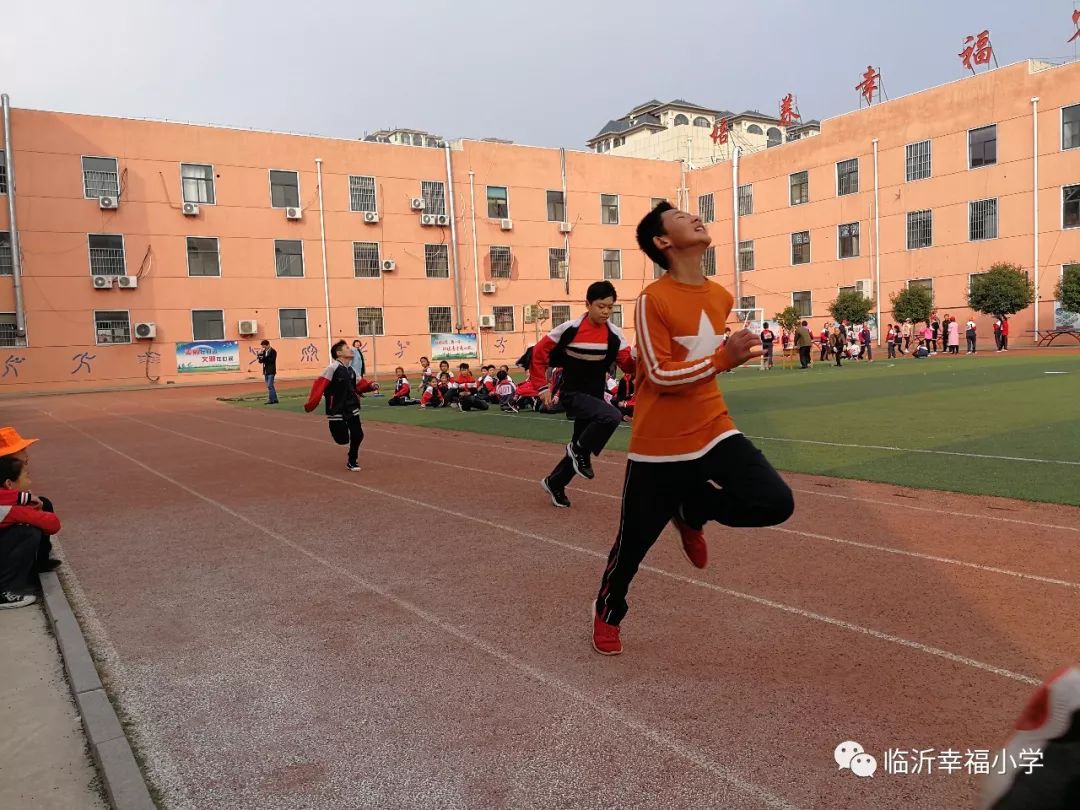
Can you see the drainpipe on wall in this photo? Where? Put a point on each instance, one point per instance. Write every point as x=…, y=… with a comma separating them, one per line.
x=566, y=217
x=877, y=245
x=454, y=245
x=16, y=252
x=476, y=264
x=325, y=279
x=735, y=221
x=1035, y=200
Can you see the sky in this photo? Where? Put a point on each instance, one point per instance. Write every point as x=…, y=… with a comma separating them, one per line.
x=543, y=72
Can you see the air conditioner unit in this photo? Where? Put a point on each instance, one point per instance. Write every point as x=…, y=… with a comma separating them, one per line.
x=489, y=287
x=102, y=282
x=247, y=327
x=862, y=286
x=442, y=219
x=127, y=282
x=389, y=265
x=108, y=202
x=294, y=213
x=371, y=216
x=145, y=331
x=427, y=219
x=190, y=209
x=487, y=321
x=417, y=204
x=564, y=227
x=507, y=224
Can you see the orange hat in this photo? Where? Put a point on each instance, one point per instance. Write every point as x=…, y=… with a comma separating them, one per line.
x=12, y=442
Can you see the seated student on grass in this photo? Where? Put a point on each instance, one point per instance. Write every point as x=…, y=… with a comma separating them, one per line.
x=920, y=349
x=624, y=396
x=432, y=397
x=426, y=373
x=27, y=523
x=506, y=392
x=402, y=389
x=467, y=398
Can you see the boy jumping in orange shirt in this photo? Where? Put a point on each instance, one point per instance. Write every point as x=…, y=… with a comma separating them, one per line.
x=688, y=464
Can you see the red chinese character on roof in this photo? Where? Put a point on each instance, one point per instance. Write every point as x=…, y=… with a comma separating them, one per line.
x=1076, y=22
x=979, y=47
x=787, y=110
x=869, y=85
x=720, y=132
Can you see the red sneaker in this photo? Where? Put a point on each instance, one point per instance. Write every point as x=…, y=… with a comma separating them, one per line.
x=605, y=637
x=693, y=544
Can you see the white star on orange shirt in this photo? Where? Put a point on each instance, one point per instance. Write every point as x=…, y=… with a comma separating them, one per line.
x=704, y=343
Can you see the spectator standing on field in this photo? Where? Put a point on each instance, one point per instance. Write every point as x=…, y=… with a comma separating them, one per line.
x=997, y=334
x=935, y=330
x=804, y=341
x=890, y=341
x=864, y=341
x=267, y=358
x=1004, y=333
x=970, y=335
x=838, y=341
x=954, y=336
x=824, y=338
x=905, y=333
x=357, y=363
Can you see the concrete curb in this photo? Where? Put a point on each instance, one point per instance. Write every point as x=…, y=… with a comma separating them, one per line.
x=112, y=753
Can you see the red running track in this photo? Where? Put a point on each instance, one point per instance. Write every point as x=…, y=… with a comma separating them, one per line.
x=282, y=633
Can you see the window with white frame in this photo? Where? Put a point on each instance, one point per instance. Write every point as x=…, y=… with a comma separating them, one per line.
x=437, y=261
x=609, y=209
x=970, y=277
x=288, y=258
x=207, y=324
x=197, y=183
x=1070, y=207
x=842, y=290
x=612, y=264
x=434, y=194
x=203, y=258
x=708, y=261
x=746, y=199
x=362, y=193
x=106, y=254
x=293, y=323
x=800, y=187
x=617, y=315
x=560, y=313
x=101, y=177
x=800, y=247
x=706, y=208
x=847, y=177
x=366, y=260
x=803, y=301
x=556, y=206
x=284, y=189
x=3, y=173
x=7, y=263
x=982, y=146
x=982, y=220
x=920, y=229
x=925, y=283
x=112, y=326
x=746, y=255
x=439, y=320
x=1070, y=128
x=497, y=203
x=847, y=239
x=9, y=332
x=917, y=161
x=504, y=318
x=557, y=263
x=501, y=260
x=369, y=321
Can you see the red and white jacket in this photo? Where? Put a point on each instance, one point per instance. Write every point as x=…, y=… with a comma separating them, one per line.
x=583, y=356
x=15, y=508
x=432, y=396
x=402, y=387
x=506, y=388
x=466, y=382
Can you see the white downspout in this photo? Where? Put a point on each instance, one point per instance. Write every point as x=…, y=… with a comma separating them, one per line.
x=13, y=228
x=877, y=245
x=476, y=265
x=454, y=246
x=1035, y=201
x=325, y=278
x=735, y=221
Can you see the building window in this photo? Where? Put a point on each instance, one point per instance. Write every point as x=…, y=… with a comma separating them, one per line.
x=746, y=256
x=501, y=260
x=609, y=209
x=1070, y=207
x=504, y=318
x=970, y=277
x=366, y=260
x=928, y=283
x=100, y=177
x=3, y=173
x=284, y=189
x=106, y=254
x=847, y=237
x=616, y=315
x=207, y=324
x=560, y=313
x=803, y=302
x=847, y=177
x=438, y=320
x=1070, y=128
x=920, y=229
x=362, y=193
x=197, y=182
x=800, y=247
x=289, y=258
x=612, y=264
x=681, y=120
x=708, y=261
x=701, y=121
x=556, y=206
x=706, y=208
x=748, y=302
x=369, y=321
x=557, y=263
x=434, y=194
x=436, y=261
x=746, y=200
x=112, y=326
x=800, y=187
x=982, y=220
x=203, y=258
x=842, y=290
x=982, y=146
x=498, y=207
x=7, y=265
x=773, y=137
x=917, y=160
x=754, y=129
x=293, y=323
x=9, y=333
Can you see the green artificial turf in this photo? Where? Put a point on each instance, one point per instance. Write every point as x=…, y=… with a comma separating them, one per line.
x=987, y=405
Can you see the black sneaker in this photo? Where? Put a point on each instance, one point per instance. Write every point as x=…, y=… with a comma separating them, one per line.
x=581, y=462
x=352, y=467
x=15, y=600
x=558, y=496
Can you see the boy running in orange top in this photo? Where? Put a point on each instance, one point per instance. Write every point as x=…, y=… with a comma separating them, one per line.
x=688, y=463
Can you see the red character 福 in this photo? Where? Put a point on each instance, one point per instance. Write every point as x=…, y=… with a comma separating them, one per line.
x=979, y=47
x=868, y=85
x=787, y=110
x=720, y=132
x=1076, y=22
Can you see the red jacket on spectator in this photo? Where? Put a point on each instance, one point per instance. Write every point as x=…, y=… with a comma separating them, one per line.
x=15, y=508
